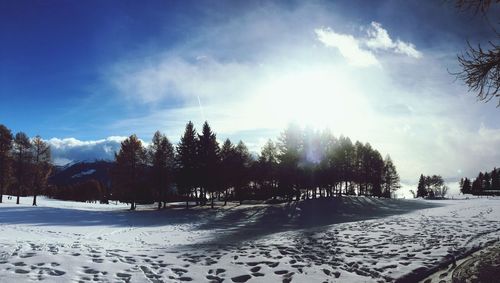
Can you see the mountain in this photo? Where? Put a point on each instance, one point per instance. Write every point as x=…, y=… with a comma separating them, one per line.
x=79, y=172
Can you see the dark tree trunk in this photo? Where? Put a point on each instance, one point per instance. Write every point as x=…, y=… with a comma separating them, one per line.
x=34, y=200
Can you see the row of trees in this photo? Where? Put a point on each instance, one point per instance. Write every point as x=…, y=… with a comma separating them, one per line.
x=431, y=187
x=487, y=183
x=25, y=164
x=302, y=164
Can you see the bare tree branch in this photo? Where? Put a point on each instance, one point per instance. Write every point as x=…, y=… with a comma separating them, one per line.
x=481, y=71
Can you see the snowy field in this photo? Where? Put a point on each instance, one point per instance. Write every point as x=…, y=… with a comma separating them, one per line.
x=346, y=239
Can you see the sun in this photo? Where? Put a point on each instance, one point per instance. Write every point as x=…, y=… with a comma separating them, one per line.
x=318, y=97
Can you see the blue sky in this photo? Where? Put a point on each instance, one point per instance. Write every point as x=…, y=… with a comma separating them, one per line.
x=84, y=74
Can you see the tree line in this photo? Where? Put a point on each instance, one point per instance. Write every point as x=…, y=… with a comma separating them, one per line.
x=302, y=164
x=25, y=164
x=487, y=183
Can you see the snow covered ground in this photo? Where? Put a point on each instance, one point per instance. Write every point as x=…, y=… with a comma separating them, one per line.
x=343, y=239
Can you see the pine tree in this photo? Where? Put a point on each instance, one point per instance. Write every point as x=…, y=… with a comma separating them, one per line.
x=187, y=162
x=227, y=167
x=495, y=179
x=129, y=170
x=421, y=188
x=344, y=157
x=390, y=177
x=208, y=158
x=486, y=181
x=244, y=162
x=162, y=159
x=267, y=167
x=290, y=145
x=41, y=165
x=5, y=158
x=465, y=186
x=22, y=159
x=477, y=188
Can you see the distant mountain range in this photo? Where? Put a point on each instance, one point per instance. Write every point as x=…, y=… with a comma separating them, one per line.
x=78, y=172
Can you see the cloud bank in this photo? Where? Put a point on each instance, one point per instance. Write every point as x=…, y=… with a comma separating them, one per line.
x=72, y=150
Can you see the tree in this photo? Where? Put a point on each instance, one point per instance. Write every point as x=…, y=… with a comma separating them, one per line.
x=438, y=188
x=129, y=170
x=227, y=167
x=41, y=166
x=208, y=159
x=481, y=67
x=162, y=159
x=495, y=179
x=243, y=164
x=344, y=157
x=187, y=163
x=5, y=158
x=486, y=181
x=290, y=146
x=477, y=184
x=390, y=177
x=267, y=166
x=421, y=190
x=22, y=159
x=465, y=186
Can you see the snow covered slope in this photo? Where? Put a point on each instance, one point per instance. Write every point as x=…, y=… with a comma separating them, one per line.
x=345, y=239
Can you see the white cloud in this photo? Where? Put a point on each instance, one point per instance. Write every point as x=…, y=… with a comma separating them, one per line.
x=407, y=48
x=358, y=51
x=348, y=46
x=70, y=149
x=171, y=76
x=379, y=39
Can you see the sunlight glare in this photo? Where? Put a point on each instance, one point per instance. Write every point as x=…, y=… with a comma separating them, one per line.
x=318, y=97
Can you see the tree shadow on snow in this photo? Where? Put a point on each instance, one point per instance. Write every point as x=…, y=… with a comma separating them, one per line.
x=251, y=223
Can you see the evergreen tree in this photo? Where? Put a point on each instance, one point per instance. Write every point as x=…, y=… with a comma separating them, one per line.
x=162, y=159
x=390, y=177
x=486, y=181
x=465, y=186
x=495, y=179
x=421, y=188
x=227, y=167
x=187, y=162
x=5, y=158
x=208, y=158
x=267, y=167
x=41, y=166
x=290, y=145
x=477, y=185
x=129, y=170
x=243, y=163
x=22, y=160
x=344, y=157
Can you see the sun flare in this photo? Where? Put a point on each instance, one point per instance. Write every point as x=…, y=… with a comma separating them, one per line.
x=319, y=97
